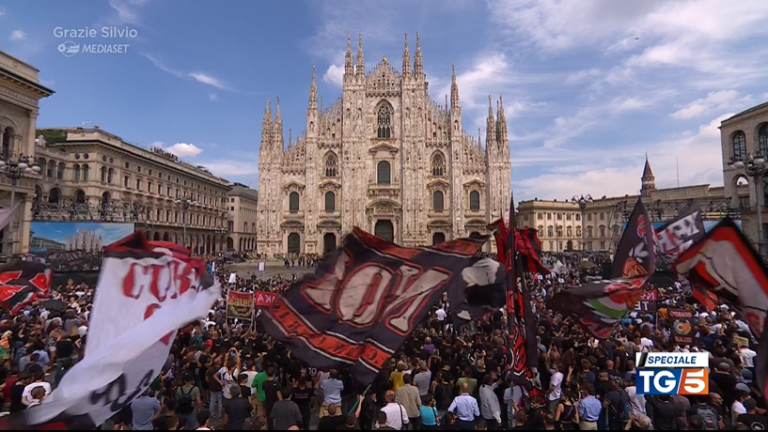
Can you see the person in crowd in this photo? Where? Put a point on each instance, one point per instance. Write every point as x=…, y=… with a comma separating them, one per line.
x=566, y=414
x=465, y=408
x=189, y=402
x=204, y=419
x=144, y=410
x=286, y=412
x=215, y=388
x=397, y=416
x=408, y=397
x=236, y=409
x=489, y=403
x=589, y=409
x=332, y=388
x=429, y=418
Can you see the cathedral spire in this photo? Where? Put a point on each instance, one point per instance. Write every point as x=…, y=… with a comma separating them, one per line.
x=313, y=91
x=490, y=133
x=418, y=66
x=290, y=138
x=266, y=126
x=349, y=68
x=406, y=58
x=502, y=129
x=279, y=142
x=360, y=57
x=454, y=88
x=648, y=180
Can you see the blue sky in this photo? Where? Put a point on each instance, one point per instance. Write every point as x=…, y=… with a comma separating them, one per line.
x=589, y=87
x=59, y=231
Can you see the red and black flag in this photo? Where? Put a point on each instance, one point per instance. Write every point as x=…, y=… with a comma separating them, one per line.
x=636, y=253
x=527, y=245
x=364, y=300
x=520, y=320
x=22, y=283
x=725, y=264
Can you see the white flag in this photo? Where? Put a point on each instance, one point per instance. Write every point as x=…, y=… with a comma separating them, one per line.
x=143, y=296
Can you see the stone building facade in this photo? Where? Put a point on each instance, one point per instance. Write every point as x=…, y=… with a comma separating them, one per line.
x=84, y=240
x=243, y=210
x=20, y=92
x=94, y=170
x=747, y=133
x=562, y=226
x=383, y=157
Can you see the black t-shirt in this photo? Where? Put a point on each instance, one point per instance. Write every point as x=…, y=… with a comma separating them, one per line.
x=245, y=391
x=302, y=397
x=271, y=389
x=64, y=349
x=754, y=421
x=331, y=423
x=238, y=411
x=16, y=392
x=213, y=385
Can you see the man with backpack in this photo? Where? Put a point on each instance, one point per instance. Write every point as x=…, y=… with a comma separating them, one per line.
x=617, y=405
x=708, y=414
x=188, y=397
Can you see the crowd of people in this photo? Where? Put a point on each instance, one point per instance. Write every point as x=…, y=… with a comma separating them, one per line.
x=448, y=375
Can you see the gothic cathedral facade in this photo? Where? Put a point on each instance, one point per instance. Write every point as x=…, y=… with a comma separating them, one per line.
x=384, y=157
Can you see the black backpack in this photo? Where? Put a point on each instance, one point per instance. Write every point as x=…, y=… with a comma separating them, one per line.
x=186, y=404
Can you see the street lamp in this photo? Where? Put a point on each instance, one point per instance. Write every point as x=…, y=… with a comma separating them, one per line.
x=582, y=201
x=185, y=204
x=754, y=167
x=16, y=167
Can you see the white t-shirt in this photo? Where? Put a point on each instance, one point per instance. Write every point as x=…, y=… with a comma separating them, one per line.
x=440, y=314
x=736, y=409
x=748, y=357
x=557, y=379
x=646, y=344
x=227, y=380
x=27, y=393
x=636, y=401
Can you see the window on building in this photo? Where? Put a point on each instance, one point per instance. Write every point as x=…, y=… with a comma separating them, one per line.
x=77, y=173
x=6, y=153
x=110, y=173
x=559, y=216
x=549, y=216
x=168, y=191
x=589, y=217
x=51, y=168
x=138, y=168
x=550, y=231
x=602, y=216
x=577, y=217
x=103, y=174
x=762, y=139
x=127, y=165
x=138, y=184
x=331, y=165
x=567, y=216
x=602, y=231
x=177, y=193
x=60, y=171
x=569, y=232
x=149, y=187
x=293, y=202
x=127, y=182
x=330, y=202
x=384, y=122
x=602, y=245
x=167, y=215
x=383, y=173
x=541, y=230
x=176, y=217
x=540, y=216
x=740, y=146
x=474, y=200
x=437, y=201
x=438, y=164
x=159, y=213
x=589, y=232
x=86, y=172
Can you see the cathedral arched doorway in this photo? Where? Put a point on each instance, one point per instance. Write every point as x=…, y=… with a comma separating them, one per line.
x=569, y=245
x=385, y=230
x=166, y=237
x=156, y=237
x=329, y=242
x=294, y=243
x=438, y=238
x=475, y=235
x=230, y=243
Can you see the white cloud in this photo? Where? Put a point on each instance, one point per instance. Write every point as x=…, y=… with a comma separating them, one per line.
x=714, y=101
x=228, y=168
x=127, y=11
x=18, y=35
x=184, y=150
x=334, y=75
x=212, y=97
x=197, y=76
x=207, y=79
x=617, y=172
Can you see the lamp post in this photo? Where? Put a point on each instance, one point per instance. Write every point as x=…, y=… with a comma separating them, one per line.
x=185, y=204
x=754, y=166
x=582, y=201
x=16, y=167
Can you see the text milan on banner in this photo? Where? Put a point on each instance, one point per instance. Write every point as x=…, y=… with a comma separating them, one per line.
x=143, y=296
x=240, y=305
x=264, y=299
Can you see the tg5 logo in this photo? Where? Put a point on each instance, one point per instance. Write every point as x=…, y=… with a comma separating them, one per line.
x=688, y=382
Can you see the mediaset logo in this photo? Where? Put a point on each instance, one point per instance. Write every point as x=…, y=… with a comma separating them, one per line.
x=70, y=48
x=672, y=374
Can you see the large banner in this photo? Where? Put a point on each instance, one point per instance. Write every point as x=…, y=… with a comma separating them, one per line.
x=145, y=293
x=264, y=299
x=240, y=305
x=683, y=326
x=647, y=302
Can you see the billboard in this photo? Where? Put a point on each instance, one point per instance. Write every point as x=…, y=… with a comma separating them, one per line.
x=74, y=246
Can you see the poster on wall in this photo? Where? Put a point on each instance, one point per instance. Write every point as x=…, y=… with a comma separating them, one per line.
x=74, y=246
